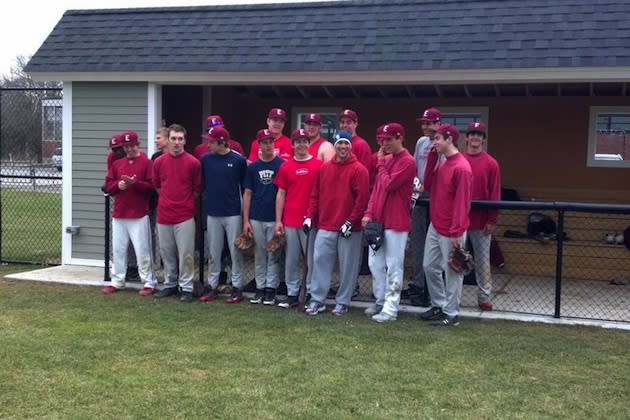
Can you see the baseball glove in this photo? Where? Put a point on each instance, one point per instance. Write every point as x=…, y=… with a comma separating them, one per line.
x=224, y=289
x=275, y=243
x=461, y=261
x=244, y=241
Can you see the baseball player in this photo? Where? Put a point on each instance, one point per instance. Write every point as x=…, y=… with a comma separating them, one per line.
x=129, y=181
x=450, y=182
x=338, y=201
x=318, y=147
x=295, y=181
x=276, y=119
x=223, y=174
x=349, y=121
x=430, y=121
x=161, y=143
x=203, y=147
x=259, y=216
x=389, y=204
x=177, y=179
x=486, y=185
x=117, y=151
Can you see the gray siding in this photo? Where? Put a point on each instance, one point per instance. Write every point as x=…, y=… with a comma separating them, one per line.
x=98, y=111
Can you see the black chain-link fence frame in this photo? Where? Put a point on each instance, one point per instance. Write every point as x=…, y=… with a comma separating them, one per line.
x=30, y=181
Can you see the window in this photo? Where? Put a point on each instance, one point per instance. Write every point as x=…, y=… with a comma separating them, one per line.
x=609, y=137
x=330, y=120
x=460, y=117
x=52, y=116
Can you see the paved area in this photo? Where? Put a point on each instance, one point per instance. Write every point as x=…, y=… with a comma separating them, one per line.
x=522, y=298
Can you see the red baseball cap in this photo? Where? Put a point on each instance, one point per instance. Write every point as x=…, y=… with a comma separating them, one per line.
x=449, y=130
x=116, y=141
x=217, y=134
x=476, y=127
x=298, y=134
x=213, y=121
x=431, y=115
x=129, y=137
x=277, y=113
x=393, y=130
x=264, y=134
x=348, y=113
x=313, y=118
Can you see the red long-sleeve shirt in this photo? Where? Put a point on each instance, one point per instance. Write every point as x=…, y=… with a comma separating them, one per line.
x=132, y=202
x=361, y=149
x=340, y=194
x=486, y=185
x=451, y=191
x=391, y=196
x=177, y=178
x=281, y=147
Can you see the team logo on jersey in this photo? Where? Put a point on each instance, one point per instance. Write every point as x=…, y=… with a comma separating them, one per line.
x=266, y=176
x=301, y=171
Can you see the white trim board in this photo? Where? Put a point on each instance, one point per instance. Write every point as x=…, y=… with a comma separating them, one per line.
x=66, y=181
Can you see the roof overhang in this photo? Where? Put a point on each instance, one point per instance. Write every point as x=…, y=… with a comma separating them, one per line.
x=521, y=75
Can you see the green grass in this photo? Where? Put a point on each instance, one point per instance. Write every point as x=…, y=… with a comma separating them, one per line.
x=71, y=352
x=31, y=226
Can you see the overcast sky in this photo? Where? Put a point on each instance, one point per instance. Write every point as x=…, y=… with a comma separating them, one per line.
x=27, y=23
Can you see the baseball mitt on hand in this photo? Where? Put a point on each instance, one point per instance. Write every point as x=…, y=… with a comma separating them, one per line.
x=461, y=261
x=275, y=243
x=244, y=241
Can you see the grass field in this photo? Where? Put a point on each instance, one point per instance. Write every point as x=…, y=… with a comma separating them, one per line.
x=71, y=352
x=31, y=226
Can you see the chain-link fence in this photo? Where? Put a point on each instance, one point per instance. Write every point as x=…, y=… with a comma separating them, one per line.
x=30, y=175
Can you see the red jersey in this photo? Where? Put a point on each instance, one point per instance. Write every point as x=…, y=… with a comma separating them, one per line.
x=451, y=190
x=486, y=185
x=314, y=148
x=297, y=178
x=281, y=147
x=176, y=178
x=361, y=149
x=340, y=193
x=391, y=197
x=132, y=202
x=203, y=148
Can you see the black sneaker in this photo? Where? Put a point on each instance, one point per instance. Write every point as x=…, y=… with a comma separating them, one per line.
x=446, y=321
x=270, y=296
x=258, y=297
x=167, y=291
x=186, y=297
x=289, y=302
x=432, y=314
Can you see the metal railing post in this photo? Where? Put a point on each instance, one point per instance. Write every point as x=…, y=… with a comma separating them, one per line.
x=1, y=226
x=559, y=251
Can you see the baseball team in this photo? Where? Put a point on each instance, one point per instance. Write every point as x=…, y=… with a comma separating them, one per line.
x=319, y=196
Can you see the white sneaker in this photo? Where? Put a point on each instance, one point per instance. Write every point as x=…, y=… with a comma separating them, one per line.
x=373, y=309
x=383, y=317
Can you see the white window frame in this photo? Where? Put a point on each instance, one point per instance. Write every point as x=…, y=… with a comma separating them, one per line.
x=297, y=111
x=592, y=137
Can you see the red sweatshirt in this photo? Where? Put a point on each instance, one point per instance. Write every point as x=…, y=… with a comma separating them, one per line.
x=391, y=196
x=132, y=202
x=361, y=149
x=451, y=189
x=176, y=178
x=341, y=193
x=281, y=147
x=486, y=185
x=297, y=178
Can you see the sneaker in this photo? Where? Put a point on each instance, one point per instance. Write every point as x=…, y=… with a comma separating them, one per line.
x=167, y=291
x=314, y=308
x=236, y=296
x=432, y=314
x=146, y=291
x=373, y=309
x=108, y=290
x=186, y=297
x=340, y=309
x=485, y=305
x=258, y=297
x=289, y=302
x=209, y=294
x=446, y=321
x=383, y=317
x=270, y=296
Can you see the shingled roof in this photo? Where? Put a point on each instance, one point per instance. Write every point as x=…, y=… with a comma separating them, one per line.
x=357, y=35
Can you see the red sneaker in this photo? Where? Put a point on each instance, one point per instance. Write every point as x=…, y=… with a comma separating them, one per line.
x=235, y=297
x=108, y=290
x=485, y=306
x=209, y=294
x=146, y=291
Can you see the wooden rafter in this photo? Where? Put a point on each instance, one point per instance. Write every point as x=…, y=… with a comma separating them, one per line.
x=410, y=91
x=277, y=91
x=438, y=91
x=497, y=91
x=467, y=91
x=328, y=92
x=302, y=92
x=354, y=92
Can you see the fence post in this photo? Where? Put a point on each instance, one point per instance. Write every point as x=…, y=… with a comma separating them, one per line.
x=559, y=251
x=1, y=226
x=107, y=235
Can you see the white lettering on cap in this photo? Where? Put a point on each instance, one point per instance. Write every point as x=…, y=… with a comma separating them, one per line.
x=127, y=137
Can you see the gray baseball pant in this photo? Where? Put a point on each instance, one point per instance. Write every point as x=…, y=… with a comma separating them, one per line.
x=296, y=240
x=177, y=244
x=480, y=242
x=233, y=226
x=266, y=264
x=328, y=246
x=387, y=267
x=446, y=293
